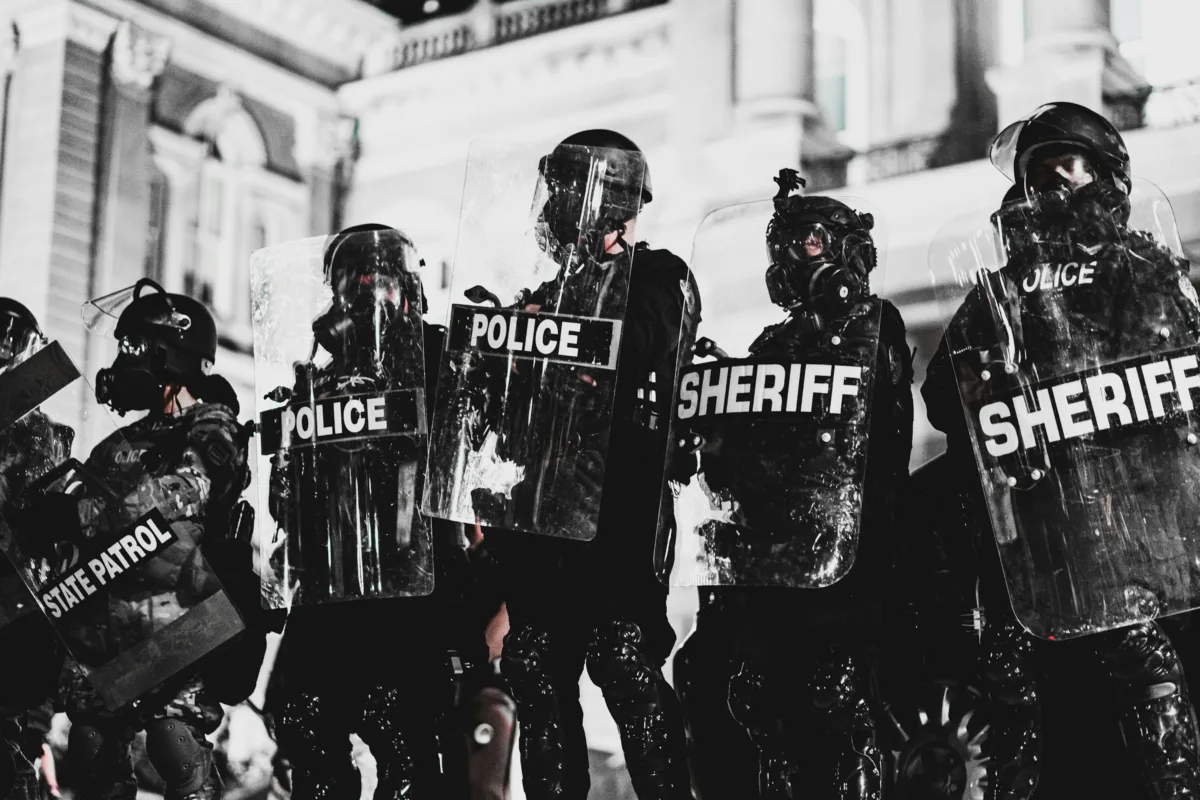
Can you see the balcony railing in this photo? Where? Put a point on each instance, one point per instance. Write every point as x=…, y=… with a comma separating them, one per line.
x=905, y=157
x=490, y=23
x=1169, y=106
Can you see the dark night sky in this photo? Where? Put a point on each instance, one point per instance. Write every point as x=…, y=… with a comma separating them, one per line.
x=410, y=11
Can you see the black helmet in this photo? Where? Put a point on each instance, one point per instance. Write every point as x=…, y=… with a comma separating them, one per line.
x=1059, y=128
x=183, y=327
x=352, y=253
x=19, y=330
x=164, y=339
x=820, y=249
x=372, y=270
x=590, y=185
x=611, y=140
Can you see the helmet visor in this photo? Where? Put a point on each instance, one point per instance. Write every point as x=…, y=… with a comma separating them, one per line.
x=1051, y=167
x=101, y=315
x=805, y=243
x=378, y=264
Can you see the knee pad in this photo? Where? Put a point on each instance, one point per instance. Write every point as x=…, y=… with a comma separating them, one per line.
x=1144, y=660
x=618, y=665
x=180, y=756
x=525, y=664
x=99, y=750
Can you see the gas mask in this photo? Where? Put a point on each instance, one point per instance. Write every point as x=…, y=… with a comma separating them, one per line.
x=368, y=309
x=138, y=377
x=817, y=269
x=582, y=196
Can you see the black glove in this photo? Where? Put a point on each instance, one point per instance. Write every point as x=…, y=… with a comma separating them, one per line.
x=46, y=520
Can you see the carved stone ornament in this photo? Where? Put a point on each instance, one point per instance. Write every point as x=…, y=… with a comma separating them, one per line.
x=209, y=118
x=138, y=56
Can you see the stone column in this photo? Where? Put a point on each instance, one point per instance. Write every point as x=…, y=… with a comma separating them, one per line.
x=9, y=44
x=330, y=173
x=773, y=52
x=1070, y=55
x=135, y=59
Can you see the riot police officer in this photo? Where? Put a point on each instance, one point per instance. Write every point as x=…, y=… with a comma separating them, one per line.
x=960, y=678
x=408, y=674
x=186, y=459
x=796, y=486
x=28, y=449
x=1071, y=172
x=598, y=602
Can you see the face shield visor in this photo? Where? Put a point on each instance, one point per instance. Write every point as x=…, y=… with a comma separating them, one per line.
x=376, y=289
x=583, y=198
x=806, y=270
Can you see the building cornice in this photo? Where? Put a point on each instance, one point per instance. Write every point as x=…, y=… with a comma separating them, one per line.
x=217, y=60
x=338, y=30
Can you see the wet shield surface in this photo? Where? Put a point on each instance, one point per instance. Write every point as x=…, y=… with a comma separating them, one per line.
x=773, y=409
x=527, y=380
x=1073, y=330
x=121, y=579
x=340, y=386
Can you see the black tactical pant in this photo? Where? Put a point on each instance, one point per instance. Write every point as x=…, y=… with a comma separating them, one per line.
x=721, y=756
x=598, y=604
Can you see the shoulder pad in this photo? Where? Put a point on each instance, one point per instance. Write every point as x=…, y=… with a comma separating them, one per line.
x=215, y=434
x=890, y=315
x=662, y=268
x=660, y=263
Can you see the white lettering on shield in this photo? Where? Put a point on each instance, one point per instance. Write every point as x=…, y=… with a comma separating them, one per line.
x=545, y=336
x=767, y=388
x=1112, y=399
x=1058, y=276
x=324, y=421
x=134, y=547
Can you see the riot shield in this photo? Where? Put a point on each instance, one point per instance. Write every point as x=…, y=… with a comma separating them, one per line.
x=339, y=367
x=123, y=583
x=1072, y=328
x=526, y=385
x=773, y=407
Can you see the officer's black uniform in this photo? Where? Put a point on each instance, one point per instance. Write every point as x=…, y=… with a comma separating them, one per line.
x=600, y=601
x=28, y=449
x=389, y=670
x=1136, y=282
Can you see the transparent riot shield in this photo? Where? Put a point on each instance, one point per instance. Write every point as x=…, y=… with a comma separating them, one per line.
x=339, y=366
x=526, y=385
x=773, y=406
x=119, y=576
x=1073, y=331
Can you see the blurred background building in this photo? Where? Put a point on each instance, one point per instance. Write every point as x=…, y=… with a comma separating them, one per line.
x=171, y=138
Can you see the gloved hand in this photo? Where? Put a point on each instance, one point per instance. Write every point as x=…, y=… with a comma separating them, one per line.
x=46, y=520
